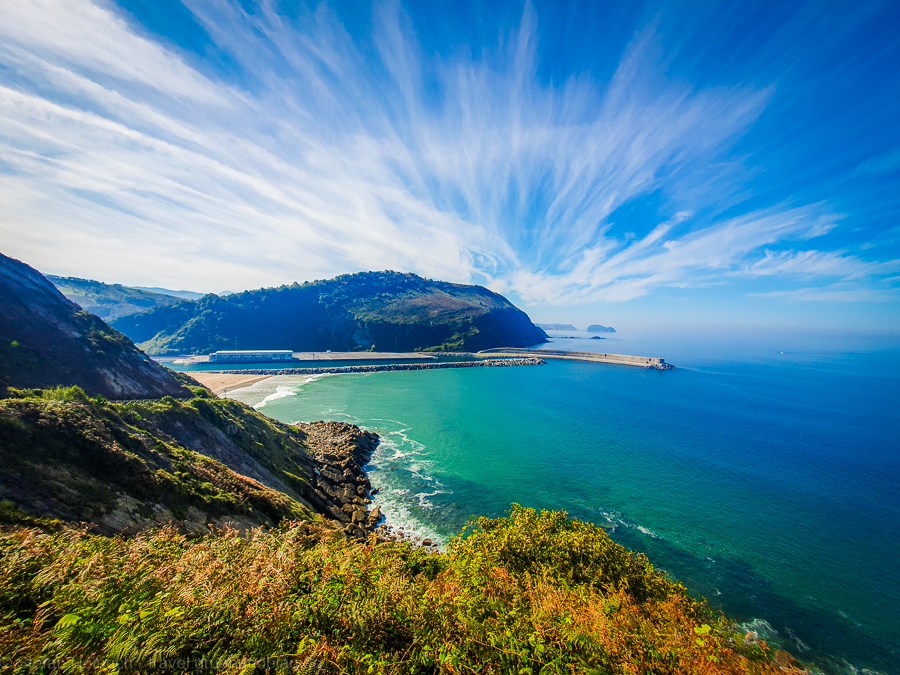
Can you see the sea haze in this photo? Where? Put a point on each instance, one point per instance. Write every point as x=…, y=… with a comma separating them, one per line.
x=762, y=472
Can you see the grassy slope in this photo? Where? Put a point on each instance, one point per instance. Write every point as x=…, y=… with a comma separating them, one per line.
x=109, y=301
x=526, y=594
x=358, y=311
x=46, y=340
x=68, y=457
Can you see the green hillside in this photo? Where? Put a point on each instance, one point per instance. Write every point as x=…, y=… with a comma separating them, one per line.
x=66, y=457
x=384, y=311
x=46, y=340
x=109, y=301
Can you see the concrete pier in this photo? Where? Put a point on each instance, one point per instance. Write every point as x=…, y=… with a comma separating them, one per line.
x=597, y=357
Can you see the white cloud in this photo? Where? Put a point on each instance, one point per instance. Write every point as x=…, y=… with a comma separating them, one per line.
x=120, y=160
x=817, y=264
x=83, y=36
x=840, y=293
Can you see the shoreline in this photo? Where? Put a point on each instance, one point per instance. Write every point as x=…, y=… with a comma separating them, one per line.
x=221, y=381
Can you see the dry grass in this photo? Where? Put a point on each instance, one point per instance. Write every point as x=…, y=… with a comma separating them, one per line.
x=535, y=592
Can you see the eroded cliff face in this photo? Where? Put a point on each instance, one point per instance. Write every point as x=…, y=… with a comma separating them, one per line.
x=46, y=340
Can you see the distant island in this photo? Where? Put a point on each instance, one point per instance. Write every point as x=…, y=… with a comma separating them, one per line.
x=555, y=326
x=593, y=328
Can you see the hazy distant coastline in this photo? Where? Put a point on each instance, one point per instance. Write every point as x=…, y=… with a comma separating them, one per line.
x=593, y=328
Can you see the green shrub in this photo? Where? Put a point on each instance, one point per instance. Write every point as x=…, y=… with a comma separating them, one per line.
x=73, y=394
x=570, y=601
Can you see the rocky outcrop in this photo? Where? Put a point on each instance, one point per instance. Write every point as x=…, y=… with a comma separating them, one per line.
x=68, y=458
x=342, y=489
x=125, y=467
x=787, y=663
x=46, y=340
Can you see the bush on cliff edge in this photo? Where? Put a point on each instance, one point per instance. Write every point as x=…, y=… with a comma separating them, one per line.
x=534, y=592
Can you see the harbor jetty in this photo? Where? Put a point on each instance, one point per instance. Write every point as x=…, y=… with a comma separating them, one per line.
x=328, y=355
x=598, y=357
x=489, y=363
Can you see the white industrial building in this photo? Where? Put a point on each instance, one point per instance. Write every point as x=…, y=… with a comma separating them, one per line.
x=250, y=356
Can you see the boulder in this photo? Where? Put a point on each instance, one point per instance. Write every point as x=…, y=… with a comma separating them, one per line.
x=787, y=662
x=339, y=514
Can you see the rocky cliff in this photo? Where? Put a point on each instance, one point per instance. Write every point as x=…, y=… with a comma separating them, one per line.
x=124, y=467
x=46, y=340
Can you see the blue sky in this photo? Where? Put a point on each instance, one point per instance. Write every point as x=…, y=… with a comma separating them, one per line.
x=634, y=164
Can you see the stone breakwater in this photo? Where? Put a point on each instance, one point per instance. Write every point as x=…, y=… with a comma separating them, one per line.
x=651, y=362
x=487, y=363
x=340, y=487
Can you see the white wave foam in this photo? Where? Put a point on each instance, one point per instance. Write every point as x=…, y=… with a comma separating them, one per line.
x=422, y=497
x=280, y=392
x=647, y=531
x=399, y=517
x=761, y=627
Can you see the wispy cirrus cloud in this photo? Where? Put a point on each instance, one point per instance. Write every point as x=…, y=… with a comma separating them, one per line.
x=818, y=264
x=121, y=154
x=837, y=293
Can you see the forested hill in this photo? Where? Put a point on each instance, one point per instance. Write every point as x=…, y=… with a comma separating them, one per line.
x=384, y=311
x=109, y=301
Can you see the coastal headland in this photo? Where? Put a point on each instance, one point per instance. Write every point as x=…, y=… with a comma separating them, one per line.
x=652, y=362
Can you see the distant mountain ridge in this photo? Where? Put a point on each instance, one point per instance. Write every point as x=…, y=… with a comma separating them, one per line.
x=593, y=328
x=184, y=295
x=384, y=311
x=110, y=301
x=47, y=340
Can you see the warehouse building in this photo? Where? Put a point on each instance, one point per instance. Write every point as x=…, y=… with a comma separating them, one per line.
x=256, y=356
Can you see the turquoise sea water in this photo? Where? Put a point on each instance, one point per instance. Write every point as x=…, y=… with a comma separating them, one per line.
x=763, y=473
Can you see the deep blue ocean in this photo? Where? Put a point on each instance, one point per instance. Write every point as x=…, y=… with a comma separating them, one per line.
x=763, y=473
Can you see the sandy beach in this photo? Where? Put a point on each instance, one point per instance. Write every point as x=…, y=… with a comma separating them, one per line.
x=220, y=382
